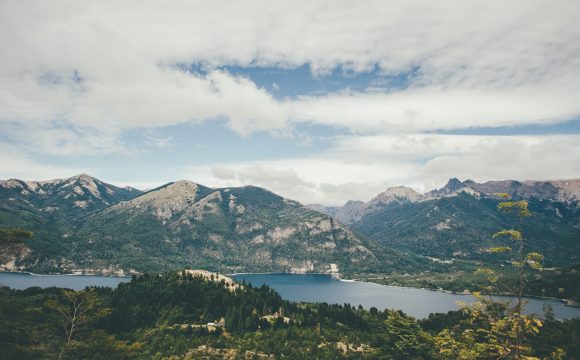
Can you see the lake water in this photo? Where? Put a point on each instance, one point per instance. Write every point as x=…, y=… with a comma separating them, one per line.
x=77, y=282
x=415, y=302
x=309, y=288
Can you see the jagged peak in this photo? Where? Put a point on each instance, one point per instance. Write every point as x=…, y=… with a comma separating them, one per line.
x=454, y=184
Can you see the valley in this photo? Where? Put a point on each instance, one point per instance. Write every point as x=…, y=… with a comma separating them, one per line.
x=400, y=237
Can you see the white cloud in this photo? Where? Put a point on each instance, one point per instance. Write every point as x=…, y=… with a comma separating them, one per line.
x=435, y=108
x=357, y=168
x=103, y=67
x=498, y=158
x=223, y=173
x=18, y=165
x=75, y=76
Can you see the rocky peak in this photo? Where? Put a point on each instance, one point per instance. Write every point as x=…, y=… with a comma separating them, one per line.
x=83, y=177
x=88, y=183
x=166, y=200
x=77, y=192
x=13, y=183
x=453, y=185
x=398, y=193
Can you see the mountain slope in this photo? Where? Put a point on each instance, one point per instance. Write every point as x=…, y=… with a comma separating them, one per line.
x=459, y=219
x=180, y=224
x=353, y=211
x=77, y=194
x=52, y=209
x=564, y=191
x=231, y=230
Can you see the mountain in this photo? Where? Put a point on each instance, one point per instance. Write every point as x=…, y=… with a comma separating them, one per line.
x=245, y=229
x=567, y=191
x=564, y=191
x=455, y=187
x=458, y=219
x=51, y=210
x=77, y=194
x=183, y=224
x=353, y=211
x=462, y=225
x=84, y=224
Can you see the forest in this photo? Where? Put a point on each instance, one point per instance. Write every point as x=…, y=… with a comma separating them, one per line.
x=177, y=315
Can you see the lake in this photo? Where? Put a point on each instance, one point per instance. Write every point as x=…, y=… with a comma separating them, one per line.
x=76, y=282
x=309, y=288
x=415, y=302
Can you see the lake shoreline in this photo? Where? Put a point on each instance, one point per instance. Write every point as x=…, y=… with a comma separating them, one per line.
x=566, y=302
x=71, y=274
x=305, y=287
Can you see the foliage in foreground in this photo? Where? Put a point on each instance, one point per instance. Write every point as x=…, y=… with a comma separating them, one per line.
x=165, y=316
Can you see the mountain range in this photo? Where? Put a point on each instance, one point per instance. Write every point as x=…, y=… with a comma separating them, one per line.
x=458, y=219
x=564, y=191
x=82, y=224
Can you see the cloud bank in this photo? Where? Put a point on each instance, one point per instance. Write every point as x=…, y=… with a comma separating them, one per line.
x=115, y=65
x=75, y=77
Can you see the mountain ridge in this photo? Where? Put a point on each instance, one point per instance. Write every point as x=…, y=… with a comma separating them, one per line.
x=183, y=223
x=558, y=190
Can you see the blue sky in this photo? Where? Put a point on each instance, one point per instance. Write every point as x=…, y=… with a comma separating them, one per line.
x=321, y=103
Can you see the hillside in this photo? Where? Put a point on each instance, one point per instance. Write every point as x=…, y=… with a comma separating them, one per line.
x=457, y=221
x=51, y=209
x=246, y=229
x=74, y=195
x=181, y=315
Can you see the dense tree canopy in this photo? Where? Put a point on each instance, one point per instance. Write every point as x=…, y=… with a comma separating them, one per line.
x=180, y=316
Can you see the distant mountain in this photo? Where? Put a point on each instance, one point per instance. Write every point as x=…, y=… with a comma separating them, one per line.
x=84, y=224
x=245, y=229
x=458, y=219
x=76, y=194
x=353, y=211
x=565, y=191
x=455, y=187
x=51, y=209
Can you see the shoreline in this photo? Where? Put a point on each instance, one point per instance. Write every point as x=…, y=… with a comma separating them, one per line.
x=71, y=274
x=283, y=273
x=566, y=302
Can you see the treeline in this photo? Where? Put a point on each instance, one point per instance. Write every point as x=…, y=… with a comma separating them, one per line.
x=180, y=316
x=559, y=283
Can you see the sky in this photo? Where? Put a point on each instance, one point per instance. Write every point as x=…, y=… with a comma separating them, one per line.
x=318, y=101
